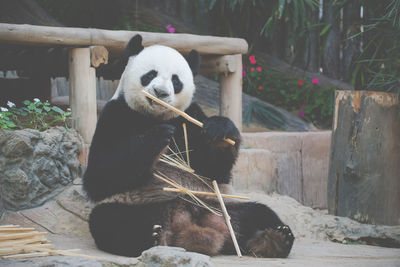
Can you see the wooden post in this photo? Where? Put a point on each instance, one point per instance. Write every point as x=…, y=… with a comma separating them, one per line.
x=231, y=93
x=364, y=171
x=82, y=86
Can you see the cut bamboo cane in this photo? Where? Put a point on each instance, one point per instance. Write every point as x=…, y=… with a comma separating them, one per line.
x=227, y=218
x=183, y=114
x=20, y=235
x=24, y=249
x=201, y=193
x=9, y=226
x=25, y=255
x=19, y=242
x=186, y=143
x=15, y=229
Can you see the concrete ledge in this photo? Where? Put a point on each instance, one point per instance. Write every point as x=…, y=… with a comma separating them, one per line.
x=294, y=164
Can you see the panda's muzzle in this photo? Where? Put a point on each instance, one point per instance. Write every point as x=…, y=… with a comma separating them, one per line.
x=160, y=92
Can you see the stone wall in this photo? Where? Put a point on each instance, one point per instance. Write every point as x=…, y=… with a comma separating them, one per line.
x=294, y=164
x=36, y=166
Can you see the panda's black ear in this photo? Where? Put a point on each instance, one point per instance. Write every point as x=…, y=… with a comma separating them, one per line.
x=134, y=46
x=194, y=61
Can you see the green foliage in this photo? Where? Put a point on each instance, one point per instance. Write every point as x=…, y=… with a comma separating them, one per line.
x=35, y=115
x=378, y=66
x=304, y=97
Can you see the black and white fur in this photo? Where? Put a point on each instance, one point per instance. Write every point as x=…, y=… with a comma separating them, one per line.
x=133, y=213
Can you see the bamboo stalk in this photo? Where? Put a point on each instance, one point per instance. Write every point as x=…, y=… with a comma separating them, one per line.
x=8, y=226
x=10, y=243
x=24, y=249
x=15, y=229
x=20, y=235
x=186, y=143
x=227, y=218
x=201, y=193
x=183, y=114
x=25, y=255
x=188, y=192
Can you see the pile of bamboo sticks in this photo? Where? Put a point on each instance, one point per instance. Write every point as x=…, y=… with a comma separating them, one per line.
x=20, y=242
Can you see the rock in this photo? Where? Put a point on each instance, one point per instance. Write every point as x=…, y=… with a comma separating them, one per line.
x=35, y=166
x=162, y=256
x=74, y=200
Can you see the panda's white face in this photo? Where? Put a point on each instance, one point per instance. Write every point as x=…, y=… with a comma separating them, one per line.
x=162, y=72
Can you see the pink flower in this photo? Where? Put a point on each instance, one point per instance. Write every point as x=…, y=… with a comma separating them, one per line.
x=252, y=69
x=252, y=59
x=301, y=113
x=300, y=82
x=315, y=81
x=170, y=29
x=303, y=106
x=259, y=69
x=260, y=88
x=243, y=74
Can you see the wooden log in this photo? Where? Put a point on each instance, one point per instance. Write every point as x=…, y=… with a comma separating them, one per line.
x=98, y=55
x=231, y=94
x=364, y=169
x=115, y=41
x=218, y=64
x=82, y=86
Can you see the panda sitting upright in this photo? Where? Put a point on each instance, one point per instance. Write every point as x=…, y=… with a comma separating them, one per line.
x=132, y=212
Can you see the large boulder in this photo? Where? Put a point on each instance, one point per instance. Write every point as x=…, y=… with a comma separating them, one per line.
x=36, y=166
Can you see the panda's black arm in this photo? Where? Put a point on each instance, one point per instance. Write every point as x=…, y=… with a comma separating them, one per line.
x=210, y=155
x=121, y=159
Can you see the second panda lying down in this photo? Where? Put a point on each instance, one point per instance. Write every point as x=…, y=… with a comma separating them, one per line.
x=133, y=213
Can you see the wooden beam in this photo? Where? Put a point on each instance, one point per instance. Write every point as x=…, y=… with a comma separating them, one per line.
x=218, y=64
x=82, y=86
x=115, y=41
x=231, y=94
x=98, y=55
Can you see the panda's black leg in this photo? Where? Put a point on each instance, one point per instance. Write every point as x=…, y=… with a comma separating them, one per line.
x=124, y=229
x=260, y=231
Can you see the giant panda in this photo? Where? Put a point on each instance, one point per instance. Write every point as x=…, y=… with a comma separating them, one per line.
x=132, y=212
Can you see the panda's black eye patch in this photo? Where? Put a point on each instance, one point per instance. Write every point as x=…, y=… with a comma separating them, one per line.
x=178, y=85
x=148, y=77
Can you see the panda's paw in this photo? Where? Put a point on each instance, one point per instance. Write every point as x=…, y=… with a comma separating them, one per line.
x=271, y=243
x=286, y=232
x=156, y=234
x=160, y=135
x=217, y=128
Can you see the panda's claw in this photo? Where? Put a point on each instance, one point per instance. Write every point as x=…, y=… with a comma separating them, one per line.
x=285, y=231
x=157, y=227
x=156, y=234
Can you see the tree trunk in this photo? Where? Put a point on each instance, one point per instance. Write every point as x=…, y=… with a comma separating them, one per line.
x=364, y=169
x=351, y=46
x=331, y=60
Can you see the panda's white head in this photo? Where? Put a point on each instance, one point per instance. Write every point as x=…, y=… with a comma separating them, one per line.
x=160, y=71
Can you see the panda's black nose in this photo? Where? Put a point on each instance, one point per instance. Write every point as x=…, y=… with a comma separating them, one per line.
x=160, y=92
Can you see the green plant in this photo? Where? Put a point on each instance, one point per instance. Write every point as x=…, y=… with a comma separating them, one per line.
x=34, y=114
x=378, y=66
x=302, y=96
